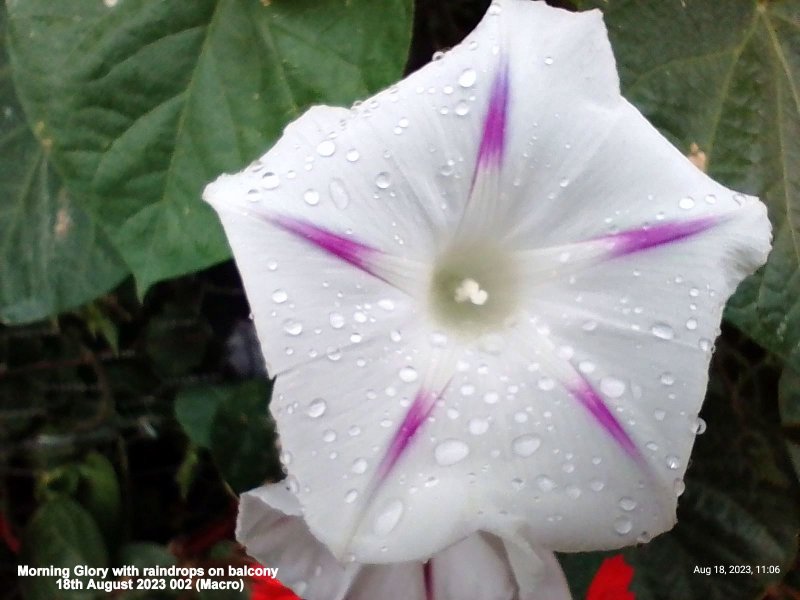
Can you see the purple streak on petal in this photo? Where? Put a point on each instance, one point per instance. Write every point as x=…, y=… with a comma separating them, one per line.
x=427, y=578
x=490, y=153
x=583, y=391
x=636, y=240
x=415, y=417
x=350, y=251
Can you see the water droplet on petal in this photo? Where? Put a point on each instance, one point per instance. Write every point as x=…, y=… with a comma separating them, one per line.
x=279, y=296
x=612, y=387
x=447, y=169
x=450, y=452
x=352, y=155
x=317, y=408
x=326, y=148
x=383, y=180
x=478, y=426
x=586, y=367
x=686, y=203
x=467, y=78
x=545, y=484
x=627, y=504
x=462, y=108
x=673, y=462
x=548, y=60
x=526, y=445
x=292, y=327
x=270, y=181
x=662, y=331
x=336, y=320
x=329, y=435
x=678, y=486
x=359, y=466
x=311, y=197
x=351, y=496
x=386, y=304
x=691, y=324
x=408, y=374
x=596, y=485
x=517, y=483
x=546, y=384
x=623, y=525
x=667, y=378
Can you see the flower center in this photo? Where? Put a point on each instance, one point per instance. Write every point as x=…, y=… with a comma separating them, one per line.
x=474, y=288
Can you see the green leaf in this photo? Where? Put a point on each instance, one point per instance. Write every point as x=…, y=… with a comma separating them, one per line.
x=233, y=423
x=60, y=534
x=726, y=76
x=99, y=492
x=243, y=439
x=789, y=398
x=196, y=408
x=741, y=505
x=53, y=256
x=146, y=102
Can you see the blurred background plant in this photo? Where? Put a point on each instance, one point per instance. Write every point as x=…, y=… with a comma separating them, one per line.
x=133, y=397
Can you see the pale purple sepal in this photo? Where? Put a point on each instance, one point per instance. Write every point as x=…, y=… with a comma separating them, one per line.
x=490, y=152
x=348, y=250
x=636, y=240
x=583, y=391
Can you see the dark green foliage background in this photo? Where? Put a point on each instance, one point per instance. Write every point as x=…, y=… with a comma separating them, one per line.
x=132, y=393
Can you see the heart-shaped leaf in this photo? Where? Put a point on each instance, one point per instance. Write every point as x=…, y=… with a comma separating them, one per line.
x=145, y=102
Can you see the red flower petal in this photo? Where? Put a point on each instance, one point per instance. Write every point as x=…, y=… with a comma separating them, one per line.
x=8, y=536
x=612, y=580
x=263, y=587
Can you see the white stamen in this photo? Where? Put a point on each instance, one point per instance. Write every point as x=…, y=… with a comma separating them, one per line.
x=470, y=291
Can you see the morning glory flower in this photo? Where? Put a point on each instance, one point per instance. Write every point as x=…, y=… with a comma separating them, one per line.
x=489, y=295
x=272, y=529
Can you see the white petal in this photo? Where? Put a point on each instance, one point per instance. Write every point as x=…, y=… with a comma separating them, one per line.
x=561, y=77
x=271, y=528
x=475, y=568
x=537, y=571
x=306, y=302
x=401, y=580
x=338, y=454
